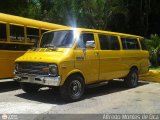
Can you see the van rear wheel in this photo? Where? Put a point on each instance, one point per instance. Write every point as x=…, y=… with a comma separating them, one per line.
x=73, y=88
x=131, y=80
x=29, y=88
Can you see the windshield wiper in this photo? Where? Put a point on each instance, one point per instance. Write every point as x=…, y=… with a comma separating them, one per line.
x=50, y=46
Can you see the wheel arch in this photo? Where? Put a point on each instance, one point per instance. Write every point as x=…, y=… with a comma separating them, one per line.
x=134, y=67
x=71, y=73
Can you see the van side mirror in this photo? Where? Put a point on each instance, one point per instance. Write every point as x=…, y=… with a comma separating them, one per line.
x=90, y=44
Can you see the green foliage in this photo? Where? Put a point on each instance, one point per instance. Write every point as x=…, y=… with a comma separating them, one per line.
x=153, y=45
x=33, y=10
x=15, y=7
x=128, y=16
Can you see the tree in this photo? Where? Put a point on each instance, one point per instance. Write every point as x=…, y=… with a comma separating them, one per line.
x=116, y=15
x=11, y=6
x=138, y=17
x=153, y=45
x=79, y=13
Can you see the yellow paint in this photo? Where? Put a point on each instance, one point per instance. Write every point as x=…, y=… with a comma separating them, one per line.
x=152, y=76
x=7, y=57
x=5, y=18
x=97, y=65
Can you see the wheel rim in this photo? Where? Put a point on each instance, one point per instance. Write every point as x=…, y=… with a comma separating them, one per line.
x=75, y=88
x=134, y=79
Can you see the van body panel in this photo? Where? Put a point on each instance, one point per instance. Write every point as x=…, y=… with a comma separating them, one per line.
x=144, y=62
x=111, y=64
x=88, y=62
x=136, y=58
x=93, y=64
x=70, y=72
x=44, y=55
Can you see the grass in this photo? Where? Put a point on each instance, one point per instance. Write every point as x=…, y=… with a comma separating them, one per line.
x=155, y=68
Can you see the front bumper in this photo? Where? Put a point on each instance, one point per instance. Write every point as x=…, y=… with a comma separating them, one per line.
x=38, y=79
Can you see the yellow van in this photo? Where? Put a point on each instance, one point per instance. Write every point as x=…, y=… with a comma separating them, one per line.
x=72, y=58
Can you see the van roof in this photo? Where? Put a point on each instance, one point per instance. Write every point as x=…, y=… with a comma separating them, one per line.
x=101, y=31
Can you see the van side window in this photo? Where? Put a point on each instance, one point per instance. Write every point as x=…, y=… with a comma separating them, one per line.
x=84, y=39
x=108, y=42
x=3, y=35
x=130, y=43
x=143, y=44
x=16, y=33
x=32, y=34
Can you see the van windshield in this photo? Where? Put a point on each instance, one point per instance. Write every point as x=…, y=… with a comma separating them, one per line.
x=58, y=39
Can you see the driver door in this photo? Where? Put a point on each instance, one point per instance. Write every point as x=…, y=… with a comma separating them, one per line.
x=87, y=57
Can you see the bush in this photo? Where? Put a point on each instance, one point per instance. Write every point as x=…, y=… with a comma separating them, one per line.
x=153, y=45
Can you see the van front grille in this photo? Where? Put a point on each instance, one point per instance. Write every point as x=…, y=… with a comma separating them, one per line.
x=32, y=68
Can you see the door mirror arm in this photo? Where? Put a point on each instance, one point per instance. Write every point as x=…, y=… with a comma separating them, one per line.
x=84, y=51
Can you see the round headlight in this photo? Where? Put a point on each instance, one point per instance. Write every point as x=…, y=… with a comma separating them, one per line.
x=53, y=71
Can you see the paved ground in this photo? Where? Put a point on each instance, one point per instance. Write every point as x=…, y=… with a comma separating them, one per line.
x=111, y=98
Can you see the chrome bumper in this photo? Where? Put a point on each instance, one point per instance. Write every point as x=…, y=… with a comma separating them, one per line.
x=42, y=80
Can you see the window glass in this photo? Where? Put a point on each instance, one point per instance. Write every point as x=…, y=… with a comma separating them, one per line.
x=85, y=38
x=16, y=47
x=3, y=35
x=143, y=44
x=32, y=34
x=124, y=44
x=130, y=44
x=108, y=42
x=62, y=39
x=16, y=33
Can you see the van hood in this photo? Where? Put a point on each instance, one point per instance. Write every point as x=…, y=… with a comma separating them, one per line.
x=44, y=55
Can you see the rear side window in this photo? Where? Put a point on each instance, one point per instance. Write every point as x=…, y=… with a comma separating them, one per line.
x=16, y=33
x=143, y=44
x=3, y=35
x=32, y=34
x=130, y=44
x=108, y=42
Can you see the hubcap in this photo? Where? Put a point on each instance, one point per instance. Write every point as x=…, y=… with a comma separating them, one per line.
x=75, y=88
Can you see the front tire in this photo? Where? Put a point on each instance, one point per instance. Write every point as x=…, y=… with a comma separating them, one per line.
x=73, y=88
x=29, y=88
x=131, y=80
